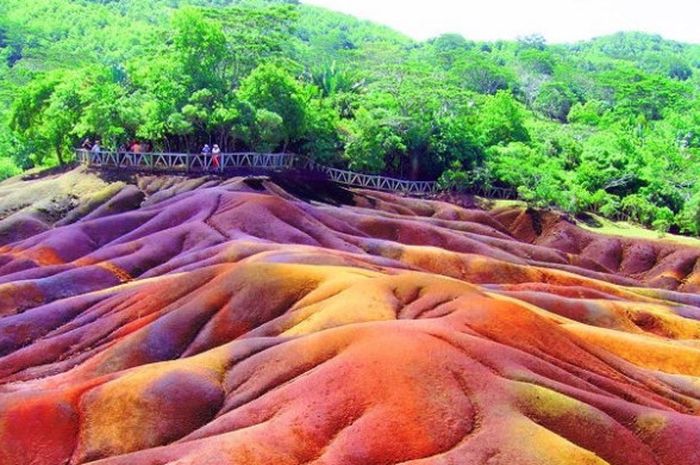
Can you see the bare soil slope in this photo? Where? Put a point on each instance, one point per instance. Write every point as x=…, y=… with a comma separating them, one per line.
x=161, y=320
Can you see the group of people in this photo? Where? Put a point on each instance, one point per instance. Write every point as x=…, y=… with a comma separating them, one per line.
x=90, y=146
x=125, y=150
x=214, y=152
x=131, y=147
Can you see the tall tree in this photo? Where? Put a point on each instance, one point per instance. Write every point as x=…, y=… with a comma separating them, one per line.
x=270, y=87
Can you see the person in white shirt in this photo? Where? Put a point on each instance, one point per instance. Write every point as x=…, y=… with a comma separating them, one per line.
x=215, y=154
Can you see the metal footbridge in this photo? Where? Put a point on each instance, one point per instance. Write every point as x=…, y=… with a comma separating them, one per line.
x=185, y=163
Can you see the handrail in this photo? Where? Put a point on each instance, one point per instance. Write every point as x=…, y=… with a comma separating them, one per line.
x=206, y=163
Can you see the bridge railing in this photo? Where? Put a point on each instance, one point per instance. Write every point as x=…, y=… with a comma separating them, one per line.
x=207, y=163
x=185, y=162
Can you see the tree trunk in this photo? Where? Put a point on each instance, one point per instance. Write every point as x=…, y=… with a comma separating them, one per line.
x=415, y=165
x=223, y=144
x=59, y=155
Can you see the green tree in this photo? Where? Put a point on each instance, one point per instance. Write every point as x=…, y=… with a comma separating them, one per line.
x=632, y=92
x=322, y=140
x=270, y=87
x=479, y=73
x=502, y=120
x=102, y=108
x=266, y=131
x=47, y=112
x=689, y=218
x=555, y=101
x=200, y=47
x=538, y=178
x=456, y=141
x=255, y=33
x=590, y=113
x=372, y=138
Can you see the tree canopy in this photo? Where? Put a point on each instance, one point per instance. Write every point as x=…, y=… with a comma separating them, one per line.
x=610, y=125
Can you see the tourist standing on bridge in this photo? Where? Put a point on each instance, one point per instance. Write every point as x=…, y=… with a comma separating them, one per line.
x=215, y=154
x=206, y=154
x=96, y=147
x=87, y=144
x=135, y=147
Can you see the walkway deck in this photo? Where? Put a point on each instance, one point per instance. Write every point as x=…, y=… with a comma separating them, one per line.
x=197, y=163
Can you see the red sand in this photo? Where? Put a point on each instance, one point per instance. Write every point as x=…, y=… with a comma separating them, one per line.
x=207, y=322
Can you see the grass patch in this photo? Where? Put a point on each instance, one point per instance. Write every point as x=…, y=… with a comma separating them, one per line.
x=634, y=231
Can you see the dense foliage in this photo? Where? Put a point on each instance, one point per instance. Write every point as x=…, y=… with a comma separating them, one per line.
x=610, y=125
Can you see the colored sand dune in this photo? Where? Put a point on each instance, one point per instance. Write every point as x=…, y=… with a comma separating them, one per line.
x=163, y=320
